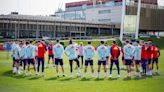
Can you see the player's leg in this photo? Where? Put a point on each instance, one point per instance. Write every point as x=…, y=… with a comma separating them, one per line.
x=157, y=66
x=61, y=64
x=71, y=66
x=14, y=65
x=24, y=66
x=92, y=69
x=98, y=71
x=137, y=64
x=18, y=66
x=82, y=61
x=118, y=68
x=42, y=60
x=48, y=63
x=104, y=64
x=144, y=67
x=33, y=63
x=111, y=66
x=56, y=64
x=107, y=61
x=78, y=67
x=38, y=68
x=28, y=67
x=149, y=67
x=86, y=66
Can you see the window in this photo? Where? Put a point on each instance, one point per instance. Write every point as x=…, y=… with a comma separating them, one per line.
x=104, y=20
x=104, y=11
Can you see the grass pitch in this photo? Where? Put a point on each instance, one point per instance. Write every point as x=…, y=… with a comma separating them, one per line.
x=50, y=83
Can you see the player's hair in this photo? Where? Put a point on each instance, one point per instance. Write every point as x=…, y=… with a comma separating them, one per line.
x=30, y=41
x=102, y=42
x=138, y=41
x=57, y=40
x=114, y=42
x=27, y=43
x=70, y=42
x=89, y=42
x=127, y=41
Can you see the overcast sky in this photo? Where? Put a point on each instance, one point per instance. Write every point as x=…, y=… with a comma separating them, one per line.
x=36, y=7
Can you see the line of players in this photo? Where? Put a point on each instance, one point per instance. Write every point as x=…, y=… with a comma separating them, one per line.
x=138, y=53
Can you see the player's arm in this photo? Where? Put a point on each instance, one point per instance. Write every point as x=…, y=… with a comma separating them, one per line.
x=159, y=53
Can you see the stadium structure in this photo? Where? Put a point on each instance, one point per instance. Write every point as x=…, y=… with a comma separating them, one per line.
x=98, y=18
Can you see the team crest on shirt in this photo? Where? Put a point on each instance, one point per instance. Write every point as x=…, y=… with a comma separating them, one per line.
x=40, y=45
x=115, y=48
x=103, y=48
x=156, y=49
x=58, y=46
x=89, y=48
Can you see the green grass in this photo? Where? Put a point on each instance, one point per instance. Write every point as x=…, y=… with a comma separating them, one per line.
x=49, y=83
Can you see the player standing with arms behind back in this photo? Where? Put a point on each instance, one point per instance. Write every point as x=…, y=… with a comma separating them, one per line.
x=115, y=53
x=102, y=53
x=128, y=55
x=88, y=56
x=156, y=54
x=137, y=58
x=58, y=50
x=41, y=52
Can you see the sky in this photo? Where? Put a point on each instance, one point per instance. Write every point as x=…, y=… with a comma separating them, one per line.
x=37, y=7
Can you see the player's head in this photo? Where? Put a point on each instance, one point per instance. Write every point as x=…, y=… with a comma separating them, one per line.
x=21, y=44
x=102, y=42
x=57, y=41
x=114, y=42
x=127, y=42
x=31, y=41
x=123, y=43
x=70, y=42
x=150, y=43
x=81, y=43
x=106, y=43
x=27, y=43
x=89, y=42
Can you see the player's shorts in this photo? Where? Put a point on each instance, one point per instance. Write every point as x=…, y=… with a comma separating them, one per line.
x=128, y=62
x=30, y=61
x=149, y=61
x=58, y=61
x=13, y=59
x=50, y=56
x=88, y=62
x=155, y=60
x=137, y=62
x=101, y=62
x=123, y=58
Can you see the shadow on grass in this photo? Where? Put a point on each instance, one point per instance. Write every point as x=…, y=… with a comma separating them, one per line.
x=34, y=78
x=112, y=78
x=10, y=74
x=99, y=79
x=52, y=78
x=85, y=79
x=67, y=79
x=139, y=78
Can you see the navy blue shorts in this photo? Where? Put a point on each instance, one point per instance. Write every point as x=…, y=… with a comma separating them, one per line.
x=128, y=62
x=155, y=60
x=30, y=61
x=50, y=56
x=58, y=61
x=149, y=61
x=137, y=62
x=88, y=62
x=102, y=62
x=122, y=58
